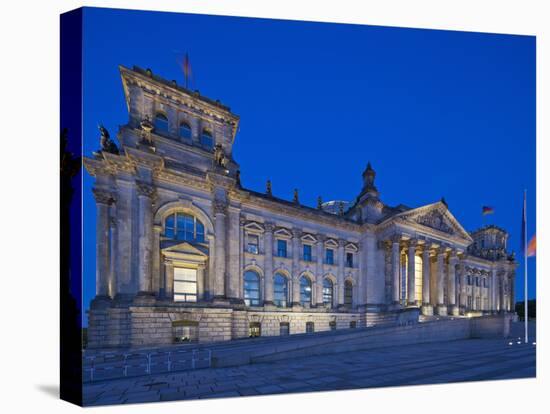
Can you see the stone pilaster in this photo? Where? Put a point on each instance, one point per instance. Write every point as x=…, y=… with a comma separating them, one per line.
x=220, y=215
x=441, y=307
x=411, y=280
x=395, y=268
x=427, y=308
x=158, y=287
x=103, y=199
x=340, y=275
x=145, y=241
x=451, y=297
x=318, y=294
x=268, y=264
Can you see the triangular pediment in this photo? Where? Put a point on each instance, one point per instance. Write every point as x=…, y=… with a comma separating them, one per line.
x=182, y=247
x=331, y=243
x=254, y=227
x=435, y=216
x=309, y=238
x=282, y=232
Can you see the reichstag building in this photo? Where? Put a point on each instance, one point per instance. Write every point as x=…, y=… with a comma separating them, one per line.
x=185, y=253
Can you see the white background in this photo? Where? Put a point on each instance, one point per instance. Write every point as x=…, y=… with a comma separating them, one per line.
x=29, y=134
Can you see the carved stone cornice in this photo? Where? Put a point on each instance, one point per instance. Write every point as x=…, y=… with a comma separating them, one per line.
x=216, y=180
x=103, y=196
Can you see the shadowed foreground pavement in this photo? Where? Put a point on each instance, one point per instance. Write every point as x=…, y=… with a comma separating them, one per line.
x=433, y=363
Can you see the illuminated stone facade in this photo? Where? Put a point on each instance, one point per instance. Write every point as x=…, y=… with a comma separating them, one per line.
x=184, y=252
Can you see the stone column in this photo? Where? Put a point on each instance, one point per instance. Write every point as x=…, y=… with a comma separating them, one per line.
x=411, y=280
x=512, y=297
x=220, y=213
x=451, y=297
x=463, y=288
x=112, y=253
x=502, y=285
x=102, y=198
x=427, y=308
x=318, y=296
x=268, y=264
x=145, y=240
x=340, y=275
x=395, y=269
x=441, y=307
x=200, y=282
x=242, y=222
x=158, y=286
x=169, y=280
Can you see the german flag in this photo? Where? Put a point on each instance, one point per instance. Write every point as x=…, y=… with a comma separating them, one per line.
x=487, y=210
x=532, y=247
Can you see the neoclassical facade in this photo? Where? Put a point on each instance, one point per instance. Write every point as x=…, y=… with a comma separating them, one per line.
x=184, y=252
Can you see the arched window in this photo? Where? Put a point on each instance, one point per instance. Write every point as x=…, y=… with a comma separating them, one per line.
x=251, y=288
x=207, y=141
x=185, y=130
x=280, y=290
x=327, y=292
x=181, y=226
x=348, y=293
x=305, y=291
x=161, y=123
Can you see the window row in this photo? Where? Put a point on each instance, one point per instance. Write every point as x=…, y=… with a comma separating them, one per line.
x=253, y=246
x=255, y=328
x=253, y=297
x=184, y=131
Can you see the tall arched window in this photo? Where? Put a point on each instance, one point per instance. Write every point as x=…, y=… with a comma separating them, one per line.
x=185, y=130
x=348, y=293
x=251, y=288
x=161, y=122
x=327, y=292
x=207, y=141
x=305, y=291
x=280, y=290
x=181, y=226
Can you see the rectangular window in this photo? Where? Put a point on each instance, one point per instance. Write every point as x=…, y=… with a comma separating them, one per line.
x=332, y=325
x=353, y=324
x=284, y=329
x=310, y=327
x=281, y=248
x=329, y=256
x=253, y=243
x=254, y=329
x=307, y=252
x=349, y=259
x=185, y=284
x=469, y=302
x=477, y=281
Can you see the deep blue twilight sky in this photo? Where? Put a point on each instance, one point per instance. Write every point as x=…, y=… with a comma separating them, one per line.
x=438, y=113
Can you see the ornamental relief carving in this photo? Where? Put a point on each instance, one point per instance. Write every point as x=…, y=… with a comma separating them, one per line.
x=435, y=220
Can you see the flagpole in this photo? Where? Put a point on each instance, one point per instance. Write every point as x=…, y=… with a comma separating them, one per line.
x=525, y=265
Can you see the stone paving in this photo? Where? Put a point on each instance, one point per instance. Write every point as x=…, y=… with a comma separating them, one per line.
x=442, y=362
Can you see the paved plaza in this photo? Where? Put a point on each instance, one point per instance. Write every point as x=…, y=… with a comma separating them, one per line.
x=433, y=363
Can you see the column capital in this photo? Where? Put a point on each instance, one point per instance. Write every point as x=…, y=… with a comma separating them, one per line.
x=219, y=207
x=441, y=250
x=413, y=242
x=321, y=238
x=342, y=242
x=396, y=238
x=103, y=196
x=145, y=189
x=269, y=227
x=296, y=233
